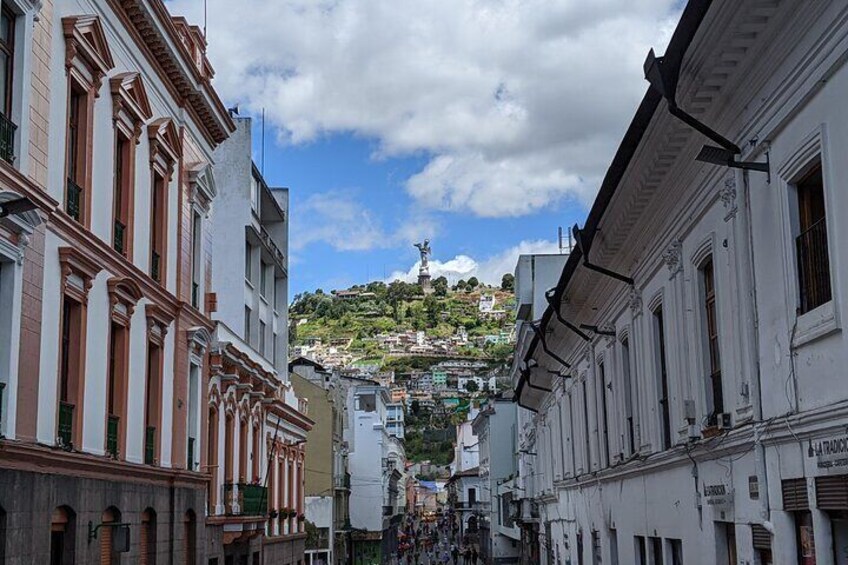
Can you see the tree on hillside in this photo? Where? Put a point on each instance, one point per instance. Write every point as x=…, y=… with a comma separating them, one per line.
x=460, y=285
x=415, y=407
x=440, y=286
x=471, y=386
x=508, y=282
x=473, y=283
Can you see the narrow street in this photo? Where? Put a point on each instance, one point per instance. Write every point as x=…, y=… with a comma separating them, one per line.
x=434, y=542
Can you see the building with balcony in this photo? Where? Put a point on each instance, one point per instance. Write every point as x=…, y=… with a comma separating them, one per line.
x=257, y=423
x=104, y=322
x=378, y=492
x=497, y=532
x=327, y=478
x=698, y=415
x=395, y=420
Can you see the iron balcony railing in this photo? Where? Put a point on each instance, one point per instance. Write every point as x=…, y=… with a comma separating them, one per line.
x=73, y=200
x=120, y=238
x=252, y=500
x=813, y=266
x=112, y=425
x=7, y=139
x=65, y=431
x=190, y=456
x=154, y=265
x=150, y=445
x=2, y=390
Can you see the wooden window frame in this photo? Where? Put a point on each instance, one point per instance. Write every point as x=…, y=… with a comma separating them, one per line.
x=87, y=61
x=165, y=154
x=8, y=47
x=809, y=221
x=714, y=383
x=78, y=273
x=124, y=294
x=158, y=322
x=664, y=398
x=130, y=111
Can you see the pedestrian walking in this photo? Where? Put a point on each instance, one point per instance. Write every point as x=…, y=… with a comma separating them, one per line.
x=455, y=554
x=473, y=556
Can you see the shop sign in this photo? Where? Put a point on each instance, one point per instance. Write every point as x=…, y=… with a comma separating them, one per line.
x=829, y=453
x=718, y=496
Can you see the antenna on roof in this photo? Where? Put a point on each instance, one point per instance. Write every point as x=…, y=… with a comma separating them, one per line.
x=204, y=20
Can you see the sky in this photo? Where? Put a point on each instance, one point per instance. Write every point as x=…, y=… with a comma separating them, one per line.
x=481, y=125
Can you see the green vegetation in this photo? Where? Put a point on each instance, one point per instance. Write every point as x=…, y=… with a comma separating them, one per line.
x=352, y=318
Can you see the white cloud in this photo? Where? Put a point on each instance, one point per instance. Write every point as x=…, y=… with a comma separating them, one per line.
x=519, y=103
x=488, y=270
x=338, y=219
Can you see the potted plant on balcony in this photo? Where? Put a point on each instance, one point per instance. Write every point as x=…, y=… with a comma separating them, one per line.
x=301, y=517
x=272, y=513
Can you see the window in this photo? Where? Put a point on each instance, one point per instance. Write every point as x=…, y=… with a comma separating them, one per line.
x=243, y=472
x=195, y=259
x=641, y=550
x=472, y=496
x=122, y=192
x=602, y=381
x=248, y=257
x=263, y=279
x=631, y=398
x=70, y=371
x=152, y=402
x=157, y=228
x=7, y=57
x=665, y=416
x=262, y=338
x=212, y=459
x=190, y=537
x=116, y=388
x=247, y=313
x=587, y=432
x=254, y=194
x=192, y=427
x=675, y=549
x=596, y=547
x=811, y=243
x=75, y=164
x=109, y=542
x=715, y=393
x=656, y=551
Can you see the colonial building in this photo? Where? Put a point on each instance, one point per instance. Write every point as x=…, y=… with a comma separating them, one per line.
x=685, y=396
x=108, y=128
x=257, y=424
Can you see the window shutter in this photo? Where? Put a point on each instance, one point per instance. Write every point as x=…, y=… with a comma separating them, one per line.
x=761, y=537
x=832, y=492
x=795, y=497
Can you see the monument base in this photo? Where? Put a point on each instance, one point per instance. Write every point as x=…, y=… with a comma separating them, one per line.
x=424, y=282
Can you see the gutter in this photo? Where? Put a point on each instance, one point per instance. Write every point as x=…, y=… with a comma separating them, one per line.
x=690, y=22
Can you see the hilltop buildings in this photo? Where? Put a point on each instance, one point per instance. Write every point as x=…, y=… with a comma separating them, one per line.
x=686, y=403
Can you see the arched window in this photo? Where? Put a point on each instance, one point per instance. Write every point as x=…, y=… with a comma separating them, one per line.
x=147, y=539
x=62, y=536
x=244, y=474
x=108, y=555
x=190, y=538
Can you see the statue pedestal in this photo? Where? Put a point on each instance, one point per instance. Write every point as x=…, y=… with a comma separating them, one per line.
x=424, y=281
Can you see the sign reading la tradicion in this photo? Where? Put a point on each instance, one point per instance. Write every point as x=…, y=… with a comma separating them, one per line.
x=830, y=454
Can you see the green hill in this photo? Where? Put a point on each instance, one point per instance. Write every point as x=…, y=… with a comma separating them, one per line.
x=360, y=313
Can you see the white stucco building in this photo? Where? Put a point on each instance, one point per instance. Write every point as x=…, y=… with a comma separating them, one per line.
x=686, y=405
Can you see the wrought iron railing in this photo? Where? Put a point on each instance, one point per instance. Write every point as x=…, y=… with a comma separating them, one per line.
x=150, y=445
x=120, y=241
x=251, y=499
x=2, y=390
x=190, y=455
x=7, y=139
x=813, y=266
x=65, y=430
x=112, y=425
x=154, y=265
x=73, y=200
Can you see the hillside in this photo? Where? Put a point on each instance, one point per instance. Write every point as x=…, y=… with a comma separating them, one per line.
x=375, y=322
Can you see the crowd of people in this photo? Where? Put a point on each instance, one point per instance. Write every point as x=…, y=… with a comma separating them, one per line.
x=423, y=542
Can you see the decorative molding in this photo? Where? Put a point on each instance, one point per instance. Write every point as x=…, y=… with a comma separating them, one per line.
x=202, y=184
x=672, y=258
x=728, y=196
x=78, y=273
x=85, y=42
x=124, y=294
x=158, y=321
x=129, y=99
x=635, y=302
x=164, y=144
